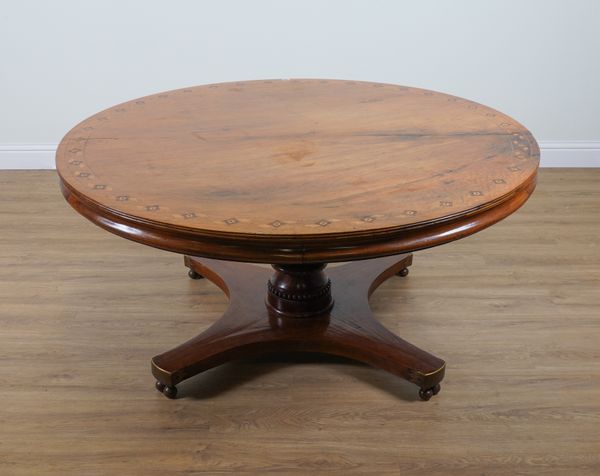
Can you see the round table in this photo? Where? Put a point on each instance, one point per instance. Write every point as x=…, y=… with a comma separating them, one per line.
x=297, y=173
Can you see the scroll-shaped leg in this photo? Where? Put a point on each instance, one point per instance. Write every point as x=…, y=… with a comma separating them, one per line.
x=232, y=336
x=250, y=328
x=354, y=333
x=360, y=336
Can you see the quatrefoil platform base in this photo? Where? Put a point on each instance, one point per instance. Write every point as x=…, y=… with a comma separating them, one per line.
x=299, y=308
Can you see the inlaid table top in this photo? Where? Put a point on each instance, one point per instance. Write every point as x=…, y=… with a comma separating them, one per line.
x=297, y=170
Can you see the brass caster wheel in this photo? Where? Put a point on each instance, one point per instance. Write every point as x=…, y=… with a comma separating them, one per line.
x=426, y=393
x=402, y=273
x=192, y=274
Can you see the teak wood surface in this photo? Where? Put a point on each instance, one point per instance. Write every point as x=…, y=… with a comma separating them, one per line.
x=297, y=173
x=513, y=309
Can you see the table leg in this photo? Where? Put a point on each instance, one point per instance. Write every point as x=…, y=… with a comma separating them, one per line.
x=299, y=309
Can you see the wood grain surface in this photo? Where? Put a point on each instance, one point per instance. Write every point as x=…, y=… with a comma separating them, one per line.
x=296, y=165
x=347, y=329
x=514, y=310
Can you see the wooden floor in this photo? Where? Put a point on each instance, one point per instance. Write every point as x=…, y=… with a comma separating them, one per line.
x=514, y=310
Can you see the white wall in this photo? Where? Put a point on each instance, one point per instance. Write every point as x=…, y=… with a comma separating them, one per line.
x=536, y=60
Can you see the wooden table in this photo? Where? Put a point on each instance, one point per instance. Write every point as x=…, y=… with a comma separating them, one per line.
x=297, y=173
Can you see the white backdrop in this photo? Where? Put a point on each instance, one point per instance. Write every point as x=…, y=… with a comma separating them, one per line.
x=536, y=60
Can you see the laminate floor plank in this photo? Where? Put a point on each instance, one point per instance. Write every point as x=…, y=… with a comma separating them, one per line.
x=514, y=310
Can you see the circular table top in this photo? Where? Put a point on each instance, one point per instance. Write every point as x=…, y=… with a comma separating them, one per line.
x=297, y=170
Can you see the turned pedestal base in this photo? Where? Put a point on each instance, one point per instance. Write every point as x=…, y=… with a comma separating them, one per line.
x=299, y=308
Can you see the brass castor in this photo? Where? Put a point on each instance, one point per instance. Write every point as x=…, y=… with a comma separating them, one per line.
x=192, y=274
x=426, y=393
x=403, y=272
x=168, y=391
